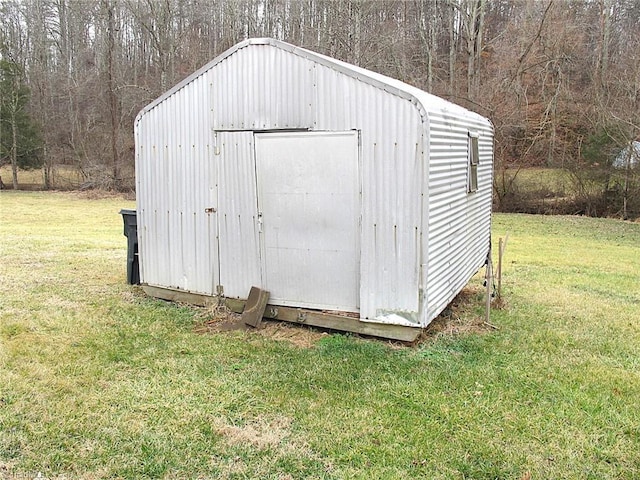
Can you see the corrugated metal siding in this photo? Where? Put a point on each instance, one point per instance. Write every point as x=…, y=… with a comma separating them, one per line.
x=458, y=223
x=391, y=131
x=237, y=214
x=422, y=234
x=262, y=88
x=392, y=167
x=175, y=184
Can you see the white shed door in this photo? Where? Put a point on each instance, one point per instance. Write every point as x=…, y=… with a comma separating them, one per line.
x=309, y=208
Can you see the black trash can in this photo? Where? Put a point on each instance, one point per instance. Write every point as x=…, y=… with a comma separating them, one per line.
x=131, y=232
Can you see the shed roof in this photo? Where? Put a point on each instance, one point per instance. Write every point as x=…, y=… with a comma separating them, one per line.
x=424, y=101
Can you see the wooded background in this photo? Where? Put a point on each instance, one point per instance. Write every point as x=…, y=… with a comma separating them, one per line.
x=559, y=79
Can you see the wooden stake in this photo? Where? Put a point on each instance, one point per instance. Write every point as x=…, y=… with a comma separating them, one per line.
x=499, y=275
x=488, y=282
x=501, y=248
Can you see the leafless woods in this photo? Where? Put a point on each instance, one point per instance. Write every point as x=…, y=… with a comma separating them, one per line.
x=560, y=79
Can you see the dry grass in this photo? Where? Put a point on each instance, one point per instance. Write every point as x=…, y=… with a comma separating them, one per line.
x=259, y=433
x=461, y=317
x=64, y=177
x=219, y=320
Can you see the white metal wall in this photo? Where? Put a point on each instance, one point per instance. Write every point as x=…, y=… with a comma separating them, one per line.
x=237, y=213
x=457, y=225
x=392, y=139
x=260, y=88
x=423, y=236
x=176, y=182
x=308, y=196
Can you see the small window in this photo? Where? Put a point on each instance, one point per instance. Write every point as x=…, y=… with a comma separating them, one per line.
x=472, y=176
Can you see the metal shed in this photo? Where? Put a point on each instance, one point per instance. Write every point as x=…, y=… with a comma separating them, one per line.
x=359, y=202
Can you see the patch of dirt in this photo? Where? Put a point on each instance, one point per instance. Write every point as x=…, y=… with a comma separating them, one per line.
x=301, y=336
x=459, y=318
x=219, y=319
x=134, y=294
x=216, y=319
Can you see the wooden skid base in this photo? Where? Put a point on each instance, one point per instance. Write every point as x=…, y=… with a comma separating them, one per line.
x=296, y=315
x=180, y=296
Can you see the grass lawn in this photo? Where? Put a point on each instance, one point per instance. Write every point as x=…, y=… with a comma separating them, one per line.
x=99, y=381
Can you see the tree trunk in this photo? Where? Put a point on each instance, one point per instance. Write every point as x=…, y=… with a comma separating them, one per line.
x=41, y=78
x=605, y=25
x=112, y=98
x=470, y=67
x=479, y=32
x=452, y=49
x=355, y=17
x=474, y=30
x=627, y=173
x=14, y=145
x=428, y=33
x=433, y=47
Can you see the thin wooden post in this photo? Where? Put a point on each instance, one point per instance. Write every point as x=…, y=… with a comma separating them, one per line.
x=499, y=275
x=488, y=273
x=501, y=248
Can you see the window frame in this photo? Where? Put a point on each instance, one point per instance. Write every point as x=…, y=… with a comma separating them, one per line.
x=473, y=160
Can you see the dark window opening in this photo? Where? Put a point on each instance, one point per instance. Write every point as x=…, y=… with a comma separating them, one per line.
x=473, y=163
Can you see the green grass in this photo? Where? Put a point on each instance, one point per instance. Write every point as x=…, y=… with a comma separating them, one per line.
x=99, y=381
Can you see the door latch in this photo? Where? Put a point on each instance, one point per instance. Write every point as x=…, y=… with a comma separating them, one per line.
x=259, y=222
x=210, y=210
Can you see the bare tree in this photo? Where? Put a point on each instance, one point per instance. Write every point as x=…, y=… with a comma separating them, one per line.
x=549, y=74
x=109, y=12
